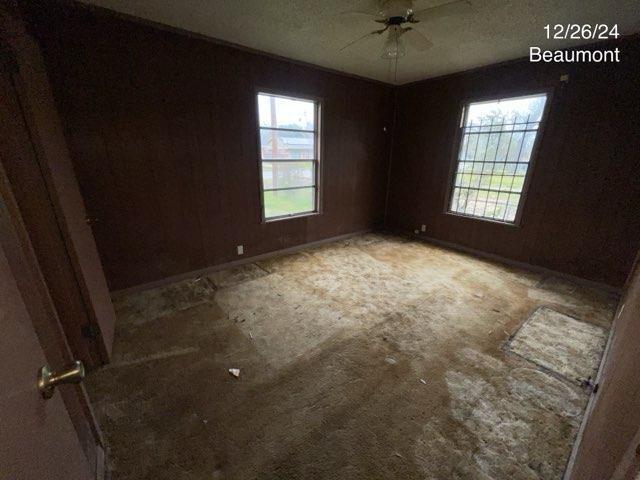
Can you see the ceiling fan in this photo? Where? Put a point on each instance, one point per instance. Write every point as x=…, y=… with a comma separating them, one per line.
x=398, y=16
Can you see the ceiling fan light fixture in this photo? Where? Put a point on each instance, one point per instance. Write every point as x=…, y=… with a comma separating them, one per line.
x=393, y=45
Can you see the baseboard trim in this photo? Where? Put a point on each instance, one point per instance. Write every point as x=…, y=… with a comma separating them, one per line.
x=515, y=263
x=234, y=263
x=434, y=241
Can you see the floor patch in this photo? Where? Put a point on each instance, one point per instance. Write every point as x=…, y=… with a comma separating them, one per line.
x=236, y=275
x=141, y=307
x=560, y=343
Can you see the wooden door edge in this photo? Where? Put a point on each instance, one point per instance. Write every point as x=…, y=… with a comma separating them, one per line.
x=102, y=464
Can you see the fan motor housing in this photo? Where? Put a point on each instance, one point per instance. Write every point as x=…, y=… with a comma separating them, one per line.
x=396, y=20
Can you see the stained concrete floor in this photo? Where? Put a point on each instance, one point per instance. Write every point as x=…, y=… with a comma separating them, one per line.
x=369, y=358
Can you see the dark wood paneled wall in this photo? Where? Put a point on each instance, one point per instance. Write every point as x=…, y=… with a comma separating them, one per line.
x=582, y=213
x=162, y=131
x=161, y=126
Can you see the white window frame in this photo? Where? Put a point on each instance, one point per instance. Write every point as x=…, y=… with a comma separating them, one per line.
x=517, y=222
x=316, y=160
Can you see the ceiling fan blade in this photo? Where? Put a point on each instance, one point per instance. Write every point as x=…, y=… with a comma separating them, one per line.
x=360, y=15
x=416, y=39
x=457, y=7
x=366, y=35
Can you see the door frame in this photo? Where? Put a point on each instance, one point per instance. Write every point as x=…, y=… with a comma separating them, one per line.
x=90, y=329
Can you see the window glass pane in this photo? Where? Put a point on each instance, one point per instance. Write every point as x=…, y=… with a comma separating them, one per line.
x=515, y=146
x=492, y=202
x=479, y=202
x=469, y=147
x=288, y=202
x=508, y=111
x=503, y=147
x=495, y=150
x=278, y=144
x=456, y=198
x=463, y=200
x=485, y=181
x=517, y=184
x=527, y=146
x=492, y=147
x=287, y=174
x=498, y=171
x=281, y=112
x=471, y=201
x=475, y=180
x=512, y=207
x=481, y=147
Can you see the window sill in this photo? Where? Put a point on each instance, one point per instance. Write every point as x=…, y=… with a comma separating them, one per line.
x=487, y=220
x=289, y=217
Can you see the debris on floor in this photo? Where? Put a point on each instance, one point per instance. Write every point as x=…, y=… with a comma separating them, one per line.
x=390, y=360
x=235, y=372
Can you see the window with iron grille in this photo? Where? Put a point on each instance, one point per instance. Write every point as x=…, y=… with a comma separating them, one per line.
x=497, y=139
x=289, y=155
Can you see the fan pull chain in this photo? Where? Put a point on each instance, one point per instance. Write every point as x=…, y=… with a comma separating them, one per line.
x=395, y=72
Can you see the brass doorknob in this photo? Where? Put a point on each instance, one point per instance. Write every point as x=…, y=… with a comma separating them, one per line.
x=48, y=380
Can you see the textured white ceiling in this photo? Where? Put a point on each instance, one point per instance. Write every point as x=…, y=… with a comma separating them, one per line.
x=313, y=31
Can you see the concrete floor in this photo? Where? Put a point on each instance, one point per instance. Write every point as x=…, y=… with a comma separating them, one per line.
x=369, y=358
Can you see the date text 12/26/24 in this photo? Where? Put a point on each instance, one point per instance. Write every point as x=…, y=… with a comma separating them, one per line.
x=574, y=31
x=577, y=32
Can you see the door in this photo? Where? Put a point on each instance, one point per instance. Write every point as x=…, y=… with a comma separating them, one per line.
x=54, y=439
x=36, y=161
x=608, y=445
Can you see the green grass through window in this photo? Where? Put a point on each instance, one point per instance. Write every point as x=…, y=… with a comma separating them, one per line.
x=288, y=202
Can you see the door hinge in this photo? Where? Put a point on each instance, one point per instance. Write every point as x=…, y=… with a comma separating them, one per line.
x=90, y=330
x=589, y=385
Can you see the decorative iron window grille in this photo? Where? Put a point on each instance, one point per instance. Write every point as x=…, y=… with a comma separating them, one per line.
x=497, y=140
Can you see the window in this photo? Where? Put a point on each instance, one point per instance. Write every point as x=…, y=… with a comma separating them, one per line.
x=496, y=142
x=289, y=155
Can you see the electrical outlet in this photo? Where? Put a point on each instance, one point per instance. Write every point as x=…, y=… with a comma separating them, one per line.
x=423, y=228
x=240, y=249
